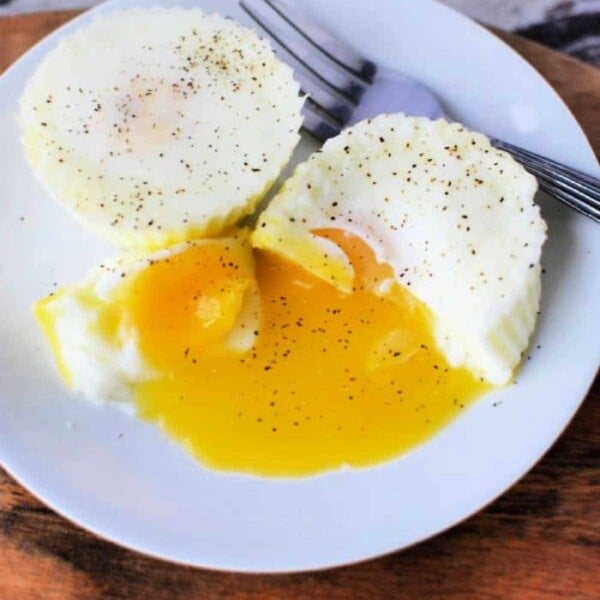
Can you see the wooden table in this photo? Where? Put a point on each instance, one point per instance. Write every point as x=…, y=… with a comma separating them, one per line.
x=540, y=540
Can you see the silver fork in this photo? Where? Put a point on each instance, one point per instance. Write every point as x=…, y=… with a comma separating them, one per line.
x=344, y=88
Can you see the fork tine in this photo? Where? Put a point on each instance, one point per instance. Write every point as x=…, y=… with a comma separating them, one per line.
x=335, y=110
x=337, y=107
x=322, y=40
x=571, y=200
x=313, y=60
x=318, y=124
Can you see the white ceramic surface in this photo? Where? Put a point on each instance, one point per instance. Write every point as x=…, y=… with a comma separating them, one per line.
x=125, y=481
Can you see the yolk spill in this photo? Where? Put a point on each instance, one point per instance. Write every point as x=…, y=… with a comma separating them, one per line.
x=333, y=379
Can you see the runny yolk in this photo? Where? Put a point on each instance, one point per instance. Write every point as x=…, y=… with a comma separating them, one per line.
x=332, y=379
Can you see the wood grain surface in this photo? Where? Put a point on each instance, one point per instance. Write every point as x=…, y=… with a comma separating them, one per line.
x=539, y=540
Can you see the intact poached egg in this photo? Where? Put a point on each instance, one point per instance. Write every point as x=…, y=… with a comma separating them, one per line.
x=160, y=125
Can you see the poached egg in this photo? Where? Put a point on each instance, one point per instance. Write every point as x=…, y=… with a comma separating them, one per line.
x=454, y=218
x=255, y=364
x=160, y=125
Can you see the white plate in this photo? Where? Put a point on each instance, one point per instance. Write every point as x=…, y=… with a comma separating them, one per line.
x=124, y=480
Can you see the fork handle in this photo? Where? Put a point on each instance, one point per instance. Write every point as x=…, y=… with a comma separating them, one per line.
x=576, y=189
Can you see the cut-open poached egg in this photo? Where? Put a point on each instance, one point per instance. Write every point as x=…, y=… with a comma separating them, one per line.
x=454, y=218
x=136, y=318
x=255, y=364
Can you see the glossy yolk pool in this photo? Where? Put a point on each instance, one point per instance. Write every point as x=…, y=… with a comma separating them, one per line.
x=333, y=379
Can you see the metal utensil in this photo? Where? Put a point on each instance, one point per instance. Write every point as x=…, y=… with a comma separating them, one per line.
x=344, y=88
